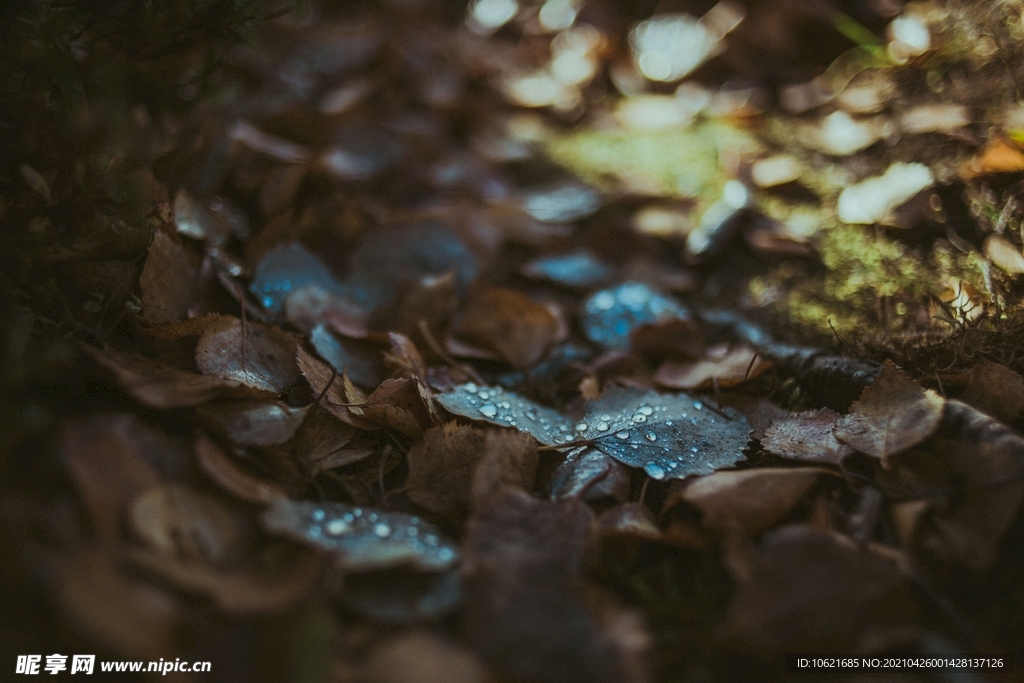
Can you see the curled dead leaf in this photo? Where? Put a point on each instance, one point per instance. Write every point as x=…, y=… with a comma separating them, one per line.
x=257, y=355
x=807, y=437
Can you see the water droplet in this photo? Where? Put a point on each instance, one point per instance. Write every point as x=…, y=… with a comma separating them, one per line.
x=488, y=409
x=693, y=449
x=604, y=301
x=372, y=517
x=413, y=532
x=634, y=446
x=645, y=410
x=622, y=435
x=382, y=530
x=668, y=423
x=693, y=420
x=445, y=554
x=318, y=515
x=639, y=418
x=651, y=436
x=484, y=395
x=470, y=388
x=315, y=531
x=532, y=414
x=582, y=427
x=654, y=470
x=358, y=512
x=268, y=302
x=348, y=517
x=430, y=539
x=336, y=527
x=505, y=404
x=602, y=426
x=698, y=405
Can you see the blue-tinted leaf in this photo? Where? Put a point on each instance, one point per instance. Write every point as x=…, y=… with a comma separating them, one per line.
x=611, y=314
x=560, y=202
x=362, y=538
x=287, y=268
x=579, y=269
x=667, y=436
x=508, y=409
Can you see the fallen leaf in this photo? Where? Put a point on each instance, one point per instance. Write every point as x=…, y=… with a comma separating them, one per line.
x=590, y=473
x=441, y=467
x=257, y=355
x=235, y=592
x=254, y=423
x=507, y=409
x=244, y=486
x=892, y=415
x=523, y=613
x=812, y=592
x=422, y=657
x=664, y=435
x=509, y=460
x=578, y=269
x=403, y=405
x=289, y=268
x=726, y=364
x=519, y=329
x=169, y=280
x=362, y=539
x=176, y=521
x=612, y=314
x=404, y=358
x=161, y=386
x=995, y=389
x=999, y=156
x=751, y=501
x=400, y=595
x=806, y=437
x=119, y=613
x=673, y=337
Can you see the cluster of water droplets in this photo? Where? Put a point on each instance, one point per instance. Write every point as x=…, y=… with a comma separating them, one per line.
x=359, y=534
x=507, y=409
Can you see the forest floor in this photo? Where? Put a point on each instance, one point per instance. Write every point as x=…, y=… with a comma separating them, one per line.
x=537, y=342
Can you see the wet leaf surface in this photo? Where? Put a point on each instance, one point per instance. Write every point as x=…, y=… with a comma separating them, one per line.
x=505, y=408
x=664, y=435
x=362, y=539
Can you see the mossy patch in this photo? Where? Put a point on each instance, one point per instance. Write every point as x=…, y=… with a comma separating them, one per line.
x=677, y=162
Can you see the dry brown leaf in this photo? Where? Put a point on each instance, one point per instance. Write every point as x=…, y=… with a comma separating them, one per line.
x=121, y=614
x=807, y=437
x=324, y=442
x=176, y=521
x=999, y=156
x=509, y=460
x=995, y=389
x=519, y=329
x=169, y=280
x=237, y=593
x=422, y=657
x=102, y=454
x=983, y=461
x=441, y=467
x=262, y=358
x=812, y=592
x=254, y=423
x=633, y=521
x=748, y=500
x=729, y=365
x=403, y=405
x=335, y=392
x=672, y=337
x=161, y=386
x=244, y=486
x=404, y=358
x=892, y=415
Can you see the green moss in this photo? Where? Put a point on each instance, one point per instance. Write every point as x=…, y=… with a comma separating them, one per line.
x=870, y=281
x=676, y=162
